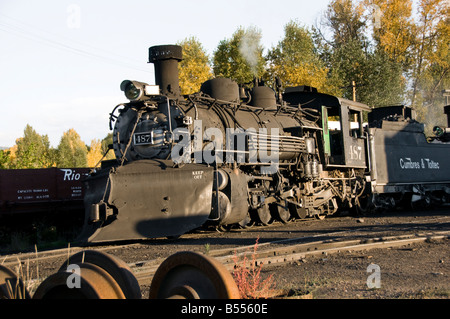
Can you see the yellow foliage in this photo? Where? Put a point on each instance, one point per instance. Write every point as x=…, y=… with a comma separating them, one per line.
x=13, y=152
x=304, y=74
x=71, y=150
x=95, y=153
x=194, y=68
x=395, y=31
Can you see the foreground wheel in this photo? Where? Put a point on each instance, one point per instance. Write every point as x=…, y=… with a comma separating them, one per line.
x=91, y=282
x=114, y=266
x=189, y=275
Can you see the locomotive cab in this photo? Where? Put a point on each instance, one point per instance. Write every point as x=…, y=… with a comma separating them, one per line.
x=343, y=139
x=347, y=141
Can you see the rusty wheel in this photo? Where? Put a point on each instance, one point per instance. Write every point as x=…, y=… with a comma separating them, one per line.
x=11, y=287
x=92, y=282
x=114, y=266
x=189, y=275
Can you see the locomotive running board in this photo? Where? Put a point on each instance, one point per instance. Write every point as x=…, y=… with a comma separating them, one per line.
x=146, y=199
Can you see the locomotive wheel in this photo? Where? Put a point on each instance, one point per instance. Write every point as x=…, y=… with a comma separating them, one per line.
x=246, y=222
x=364, y=205
x=114, y=266
x=224, y=228
x=94, y=283
x=189, y=275
x=11, y=287
x=297, y=212
x=280, y=212
x=262, y=215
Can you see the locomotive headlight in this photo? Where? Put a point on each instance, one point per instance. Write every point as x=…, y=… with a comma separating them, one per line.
x=132, y=92
x=137, y=91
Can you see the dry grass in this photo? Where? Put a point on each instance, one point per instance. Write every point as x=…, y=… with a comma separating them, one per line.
x=27, y=279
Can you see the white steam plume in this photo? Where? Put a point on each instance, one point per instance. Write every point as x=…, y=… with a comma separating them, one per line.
x=249, y=48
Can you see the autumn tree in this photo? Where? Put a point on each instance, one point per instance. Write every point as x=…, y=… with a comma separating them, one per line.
x=431, y=60
x=438, y=69
x=72, y=152
x=5, y=159
x=98, y=151
x=241, y=57
x=106, y=142
x=295, y=60
x=32, y=151
x=393, y=25
x=94, y=155
x=194, y=69
x=352, y=58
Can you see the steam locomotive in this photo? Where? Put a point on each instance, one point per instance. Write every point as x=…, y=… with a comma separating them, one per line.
x=232, y=155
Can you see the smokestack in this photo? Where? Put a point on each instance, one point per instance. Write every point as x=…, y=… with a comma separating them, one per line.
x=166, y=58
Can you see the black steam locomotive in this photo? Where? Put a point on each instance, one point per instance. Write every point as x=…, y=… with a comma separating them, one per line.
x=232, y=155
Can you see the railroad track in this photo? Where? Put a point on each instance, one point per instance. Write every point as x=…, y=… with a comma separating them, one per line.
x=270, y=253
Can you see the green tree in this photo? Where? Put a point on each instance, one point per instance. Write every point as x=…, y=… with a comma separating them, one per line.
x=347, y=64
x=346, y=20
x=345, y=52
x=72, y=152
x=194, y=69
x=32, y=150
x=383, y=83
x=241, y=57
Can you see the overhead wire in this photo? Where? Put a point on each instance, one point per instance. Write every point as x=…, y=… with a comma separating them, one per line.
x=29, y=32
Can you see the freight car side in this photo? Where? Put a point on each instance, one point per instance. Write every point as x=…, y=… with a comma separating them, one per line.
x=41, y=190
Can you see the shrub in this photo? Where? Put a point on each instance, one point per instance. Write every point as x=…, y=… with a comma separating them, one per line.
x=248, y=278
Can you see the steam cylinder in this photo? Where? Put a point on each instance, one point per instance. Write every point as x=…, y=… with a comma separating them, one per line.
x=264, y=97
x=222, y=89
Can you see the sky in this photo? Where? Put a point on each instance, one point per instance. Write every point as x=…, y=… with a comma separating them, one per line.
x=62, y=61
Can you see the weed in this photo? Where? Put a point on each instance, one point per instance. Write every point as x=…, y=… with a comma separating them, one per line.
x=207, y=248
x=248, y=278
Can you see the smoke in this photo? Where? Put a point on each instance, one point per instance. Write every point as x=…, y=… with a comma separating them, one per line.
x=249, y=48
x=434, y=116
